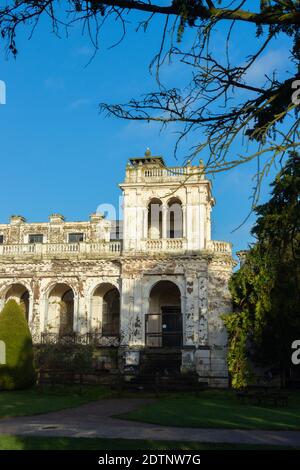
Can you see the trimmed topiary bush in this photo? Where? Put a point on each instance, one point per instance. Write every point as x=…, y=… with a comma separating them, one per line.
x=18, y=372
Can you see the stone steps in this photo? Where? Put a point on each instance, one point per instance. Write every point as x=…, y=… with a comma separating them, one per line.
x=160, y=361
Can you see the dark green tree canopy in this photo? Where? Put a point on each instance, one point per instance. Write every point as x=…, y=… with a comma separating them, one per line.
x=278, y=223
x=218, y=105
x=18, y=372
x=266, y=289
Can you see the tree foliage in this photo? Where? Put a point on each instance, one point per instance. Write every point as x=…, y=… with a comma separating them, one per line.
x=266, y=289
x=219, y=104
x=18, y=372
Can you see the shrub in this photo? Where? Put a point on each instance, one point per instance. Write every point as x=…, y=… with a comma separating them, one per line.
x=18, y=372
x=77, y=358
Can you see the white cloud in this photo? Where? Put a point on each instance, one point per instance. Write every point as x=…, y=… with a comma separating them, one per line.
x=84, y=51
x=274, y=60
x=54, y=83
x=80, y=102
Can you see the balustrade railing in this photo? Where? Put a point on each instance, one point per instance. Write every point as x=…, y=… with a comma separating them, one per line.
x=219, y=246
x=113, y=247
x=109, y=248
x=165, y=244
x=163, y=174
x=96, y=339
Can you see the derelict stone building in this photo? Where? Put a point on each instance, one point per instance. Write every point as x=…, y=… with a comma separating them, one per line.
x=153, y=285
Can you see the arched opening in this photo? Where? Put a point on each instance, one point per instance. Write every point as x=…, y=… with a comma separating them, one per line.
x=155, y=219
x=20, y=294
x=106, y=310
x=174, y=219
x=61, y=310
x=164, y=320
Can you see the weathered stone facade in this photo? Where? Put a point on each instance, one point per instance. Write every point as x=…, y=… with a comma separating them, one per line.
x=160, y=282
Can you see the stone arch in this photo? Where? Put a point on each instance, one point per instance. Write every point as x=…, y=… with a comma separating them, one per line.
x=154, y=218
x=174, y=218
x=105, y=309
x=60, y=309
x=48, y=287
x=164, y=318
x=21, y=294
x=148, y=287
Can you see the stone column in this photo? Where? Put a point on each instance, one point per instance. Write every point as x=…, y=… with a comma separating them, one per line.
x=188, y=349
x=138, y=333
x=126, y=310
x=203, y=321
x=208, y=223
x=43, y=312
x=34, y=312
x=131, y=324
x=219, y=303
x=164, y=221
x=84, y=312
x=184, y=219
x=190, y=220
x=189, y=327
x=202, y=217
x=145, y=235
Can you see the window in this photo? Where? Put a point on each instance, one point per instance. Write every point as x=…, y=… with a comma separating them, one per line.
x=111, y=313
x=76, y=237
x=175, y=219
x=116, y=231
x=1, y=239
x=35, y=238
x=155, y=219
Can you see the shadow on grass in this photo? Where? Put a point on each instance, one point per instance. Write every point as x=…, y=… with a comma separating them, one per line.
x=33, y=401
x=65, y=443
x=217, y=410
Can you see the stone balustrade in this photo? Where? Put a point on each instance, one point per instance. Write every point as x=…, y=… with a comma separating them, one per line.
x=219, y=246
x=105, y=248
x=164, y=174
x=52, y=249
x=165, y=245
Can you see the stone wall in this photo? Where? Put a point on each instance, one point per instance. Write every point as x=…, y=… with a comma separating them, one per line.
x=202, y=282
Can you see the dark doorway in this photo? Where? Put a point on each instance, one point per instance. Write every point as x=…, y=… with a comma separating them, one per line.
x=171, y=327
x=111, y=313
x=164, y=320
x=67, y=314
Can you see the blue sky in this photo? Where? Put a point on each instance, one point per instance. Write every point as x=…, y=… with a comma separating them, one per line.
x=59, y=155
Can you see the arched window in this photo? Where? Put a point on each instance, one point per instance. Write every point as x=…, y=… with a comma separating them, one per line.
x=111, y=313
x=155, y=219
x=174, y=219
x=25, y=303
x=67, y=313
x=61, y=310
x=20, y=294
x=106, y=310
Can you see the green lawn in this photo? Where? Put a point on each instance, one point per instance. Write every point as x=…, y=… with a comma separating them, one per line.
x=32, y=401
x=218, y=409
x=68, y=443
x=212, y=409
